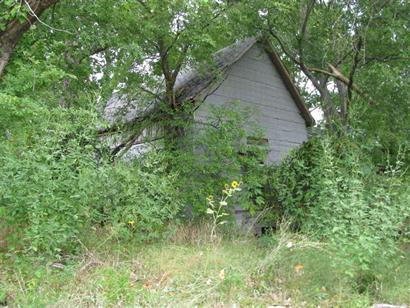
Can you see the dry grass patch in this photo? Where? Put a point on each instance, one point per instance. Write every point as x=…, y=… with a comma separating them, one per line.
x=284, y=269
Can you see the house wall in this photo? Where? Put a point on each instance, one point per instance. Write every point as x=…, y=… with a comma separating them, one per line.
x=255, y=83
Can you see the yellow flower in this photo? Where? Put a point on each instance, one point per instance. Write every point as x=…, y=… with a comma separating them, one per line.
x=210, y=198
x=299, y=267
x=234, y=184
x=131, y=222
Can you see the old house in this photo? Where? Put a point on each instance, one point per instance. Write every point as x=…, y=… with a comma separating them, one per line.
x=251, y=73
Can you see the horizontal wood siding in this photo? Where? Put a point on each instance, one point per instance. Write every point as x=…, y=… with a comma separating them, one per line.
x=256, y=84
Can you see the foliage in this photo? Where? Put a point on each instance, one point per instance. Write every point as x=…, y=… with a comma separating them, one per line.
x=331, y=190
x=366, y=43
x=41, y=162
x=215, y=152
x=135, y=199
x=347, y=186
x=11, y=9
x=53, y=188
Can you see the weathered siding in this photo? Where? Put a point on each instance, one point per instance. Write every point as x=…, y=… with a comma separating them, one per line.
x=255, y=82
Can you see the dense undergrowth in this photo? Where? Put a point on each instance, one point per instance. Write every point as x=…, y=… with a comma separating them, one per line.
x=55, y=187
x=333, y=191
x=59, y=186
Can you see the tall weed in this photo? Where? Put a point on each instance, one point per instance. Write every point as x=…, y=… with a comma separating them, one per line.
x=54, y=186
x=333, y=192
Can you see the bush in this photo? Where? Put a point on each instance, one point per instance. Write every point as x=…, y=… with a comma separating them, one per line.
x=42, y=158
x=215, y=153
x=136, y=198
x=293, y=186
x=332, y=191
x=53, y=188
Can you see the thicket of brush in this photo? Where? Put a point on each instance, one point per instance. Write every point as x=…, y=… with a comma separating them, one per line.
x=59, y=186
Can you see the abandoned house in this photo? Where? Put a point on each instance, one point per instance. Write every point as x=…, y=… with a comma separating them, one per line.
x=252, y=74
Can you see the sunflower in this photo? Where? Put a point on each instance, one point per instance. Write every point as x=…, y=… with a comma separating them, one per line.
x=234, y=184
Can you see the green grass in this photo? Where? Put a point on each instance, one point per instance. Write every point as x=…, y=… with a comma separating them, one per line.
x=242, y=272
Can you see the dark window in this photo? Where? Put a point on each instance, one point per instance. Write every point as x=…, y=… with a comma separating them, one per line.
x=257, y=141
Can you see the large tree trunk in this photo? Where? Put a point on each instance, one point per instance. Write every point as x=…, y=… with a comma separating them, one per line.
x=344, y=101
x=15, y=29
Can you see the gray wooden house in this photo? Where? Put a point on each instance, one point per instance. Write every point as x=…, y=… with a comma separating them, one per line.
x=251, y=73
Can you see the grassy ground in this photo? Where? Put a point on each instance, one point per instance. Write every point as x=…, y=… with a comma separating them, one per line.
x=277, y=270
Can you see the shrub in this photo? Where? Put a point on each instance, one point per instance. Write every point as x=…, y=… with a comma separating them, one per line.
x=333, y=192
x=136, y=198
x=215, y=153
x=42, y=158
x=293, y=186
x=53, y=188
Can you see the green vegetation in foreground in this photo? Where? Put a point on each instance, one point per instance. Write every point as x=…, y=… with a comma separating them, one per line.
x=274, y=270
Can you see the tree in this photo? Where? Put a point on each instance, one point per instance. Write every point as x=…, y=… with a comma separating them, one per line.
x=352, y=54
x=16, y=18
x=333, y=42
x=164, y=37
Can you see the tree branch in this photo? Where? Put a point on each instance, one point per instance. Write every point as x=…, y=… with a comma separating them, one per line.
x=15, y=29
x=339, y=76
x=303, y=30
x=42, y=22
x=356, y=61
x=180, y=61
x=283, y=47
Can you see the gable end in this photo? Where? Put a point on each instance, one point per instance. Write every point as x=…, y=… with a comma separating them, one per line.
x=294, y=92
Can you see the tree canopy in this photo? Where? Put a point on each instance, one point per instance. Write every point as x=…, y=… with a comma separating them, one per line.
x=349, y=58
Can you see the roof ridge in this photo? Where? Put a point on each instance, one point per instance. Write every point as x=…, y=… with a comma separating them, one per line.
x=191, y=84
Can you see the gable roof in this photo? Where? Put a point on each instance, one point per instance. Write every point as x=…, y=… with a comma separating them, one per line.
x=190, y=85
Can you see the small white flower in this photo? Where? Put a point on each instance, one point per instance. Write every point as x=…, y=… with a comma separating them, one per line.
x=289, y=245
x=223, y=203
x=222, y=274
